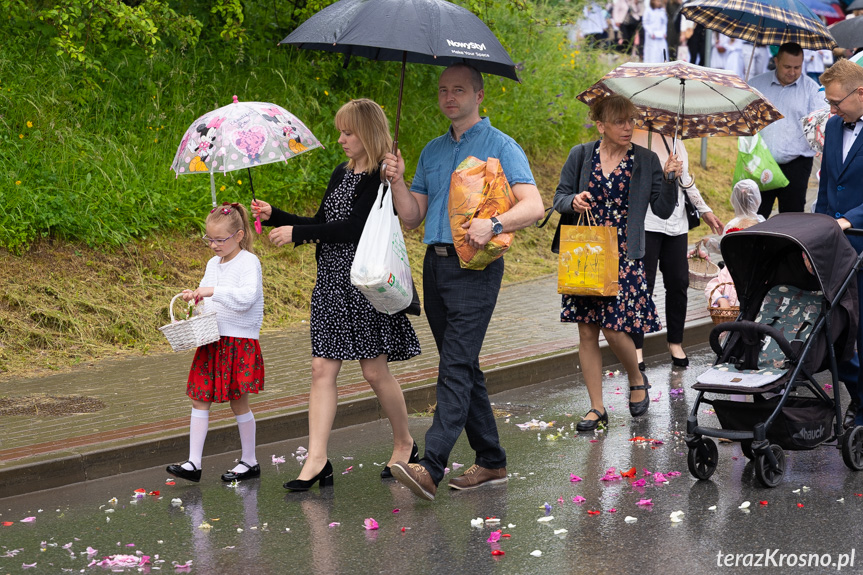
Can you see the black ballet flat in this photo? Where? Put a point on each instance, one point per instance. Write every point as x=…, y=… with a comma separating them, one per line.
x=177, y=470
x=679, y=361
x=324, y=479
x=386, y=473
x=640, y=408
x=591, y=424
x=250, y=472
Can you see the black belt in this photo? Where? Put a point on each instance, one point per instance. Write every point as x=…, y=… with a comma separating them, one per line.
x=443, y=250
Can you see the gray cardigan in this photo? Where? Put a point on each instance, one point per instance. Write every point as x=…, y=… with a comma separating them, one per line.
x=647, y=186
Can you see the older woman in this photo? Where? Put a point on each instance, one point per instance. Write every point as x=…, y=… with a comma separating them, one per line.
x=616, y=181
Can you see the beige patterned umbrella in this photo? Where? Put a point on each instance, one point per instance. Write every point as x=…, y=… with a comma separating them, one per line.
x=685, y=101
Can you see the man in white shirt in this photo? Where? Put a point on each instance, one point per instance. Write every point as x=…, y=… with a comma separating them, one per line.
x=794, y=95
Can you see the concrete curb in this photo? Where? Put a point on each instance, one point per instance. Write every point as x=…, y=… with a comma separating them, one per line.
x=156, y=452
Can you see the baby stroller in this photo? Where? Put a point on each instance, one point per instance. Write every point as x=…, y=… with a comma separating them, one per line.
x=797, y=318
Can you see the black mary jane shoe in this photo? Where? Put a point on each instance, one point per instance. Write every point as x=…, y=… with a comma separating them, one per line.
x=250, y=472
x=177, y=470
x=679, y=361
x=591, y=424
x=386, y=473
x=640, y=407
x=324, y=479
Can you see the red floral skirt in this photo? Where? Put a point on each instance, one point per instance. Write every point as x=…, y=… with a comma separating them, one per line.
x=226, y=369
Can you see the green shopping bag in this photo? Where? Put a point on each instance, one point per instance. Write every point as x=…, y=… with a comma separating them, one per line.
x=755, y=162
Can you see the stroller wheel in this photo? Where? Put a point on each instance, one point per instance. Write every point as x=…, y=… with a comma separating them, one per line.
x=746, y=447
x=703, y=459
x=766, y=474
x=852, y=447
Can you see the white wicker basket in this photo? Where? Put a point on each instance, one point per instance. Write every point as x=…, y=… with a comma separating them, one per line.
x=193, y=332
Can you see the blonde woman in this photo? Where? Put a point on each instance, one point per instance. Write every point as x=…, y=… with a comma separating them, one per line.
x=344, y=325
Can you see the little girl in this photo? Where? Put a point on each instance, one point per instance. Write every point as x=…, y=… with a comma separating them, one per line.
x=231, y=368
x=655, y=22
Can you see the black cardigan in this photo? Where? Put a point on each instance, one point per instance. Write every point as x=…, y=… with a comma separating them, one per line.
x=316, y=230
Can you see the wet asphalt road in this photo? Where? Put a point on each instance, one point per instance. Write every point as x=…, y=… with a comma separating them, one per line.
x=810, y=523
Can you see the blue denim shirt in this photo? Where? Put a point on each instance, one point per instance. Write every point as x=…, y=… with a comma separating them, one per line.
x=440, y=158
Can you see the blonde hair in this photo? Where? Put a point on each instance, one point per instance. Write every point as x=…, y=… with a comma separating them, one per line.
x=367, y=120
x=612, y=108
x=844, y=72
x=235, y=218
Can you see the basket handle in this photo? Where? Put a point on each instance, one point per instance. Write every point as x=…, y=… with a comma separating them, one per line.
x=717, y=287
x=171, y=305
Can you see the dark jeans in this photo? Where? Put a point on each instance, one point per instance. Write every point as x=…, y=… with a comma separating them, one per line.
x=792, y=198
x=458, y=304
x=670, y=253
x=850, y=372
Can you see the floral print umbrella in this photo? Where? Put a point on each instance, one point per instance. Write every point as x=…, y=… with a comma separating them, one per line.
x=687, y=101
x=241, y=135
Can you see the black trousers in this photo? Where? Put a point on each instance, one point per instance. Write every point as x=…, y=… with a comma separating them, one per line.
x=670, y=253
x=792, y=198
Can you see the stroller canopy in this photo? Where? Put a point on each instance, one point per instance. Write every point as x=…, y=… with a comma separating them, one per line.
x=770, y=254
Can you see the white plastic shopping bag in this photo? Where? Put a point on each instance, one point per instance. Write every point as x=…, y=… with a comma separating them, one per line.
x=381, y=270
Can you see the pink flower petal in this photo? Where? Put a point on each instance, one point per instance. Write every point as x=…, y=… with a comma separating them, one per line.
x=370, y=524
x=645, y=502
x=28, y=520
x=659, y=478
x=578, y=499
x=493, y=537
x=573, y=478
x=639, y=482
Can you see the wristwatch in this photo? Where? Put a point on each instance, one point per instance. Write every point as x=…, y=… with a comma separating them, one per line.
x=496, y=227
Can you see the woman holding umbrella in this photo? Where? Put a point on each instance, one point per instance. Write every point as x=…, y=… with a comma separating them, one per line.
x=615, y=181
x=344, y=325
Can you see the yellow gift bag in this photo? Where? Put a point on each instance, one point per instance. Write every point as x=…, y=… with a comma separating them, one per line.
x=588, y=259
x=478, y=190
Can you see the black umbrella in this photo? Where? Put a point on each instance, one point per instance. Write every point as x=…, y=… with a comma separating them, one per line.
x=848, y=33
x=422, y=31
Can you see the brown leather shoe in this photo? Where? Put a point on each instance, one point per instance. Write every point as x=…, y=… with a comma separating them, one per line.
x=477, y=476
x=416, y=478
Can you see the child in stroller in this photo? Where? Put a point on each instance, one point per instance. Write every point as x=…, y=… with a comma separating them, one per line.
x=798, y=316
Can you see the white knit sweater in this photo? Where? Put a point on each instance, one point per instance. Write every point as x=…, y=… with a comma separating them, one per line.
x=238, y=295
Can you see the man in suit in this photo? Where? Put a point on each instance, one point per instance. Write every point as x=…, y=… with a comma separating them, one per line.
x=840, y=191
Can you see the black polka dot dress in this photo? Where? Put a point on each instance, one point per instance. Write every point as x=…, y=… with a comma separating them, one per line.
x=344, y=324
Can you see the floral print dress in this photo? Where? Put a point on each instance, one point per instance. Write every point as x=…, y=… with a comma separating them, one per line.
x=632, y=310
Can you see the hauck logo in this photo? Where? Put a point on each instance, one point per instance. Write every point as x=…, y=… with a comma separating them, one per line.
x=466, y=45
x=809, y=435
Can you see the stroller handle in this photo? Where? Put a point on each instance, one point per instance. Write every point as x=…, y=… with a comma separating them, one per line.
x=751, y=332
x=854, y=232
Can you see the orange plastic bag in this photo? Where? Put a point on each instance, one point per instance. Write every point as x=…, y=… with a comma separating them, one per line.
x=478, y=190
x=588, y=260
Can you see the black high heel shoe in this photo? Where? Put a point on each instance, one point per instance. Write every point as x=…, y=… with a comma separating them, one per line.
x=639, y=407
x=177, y=470
x=591, y=424
x=324, y=479
x=386, y=473
x=679, y=361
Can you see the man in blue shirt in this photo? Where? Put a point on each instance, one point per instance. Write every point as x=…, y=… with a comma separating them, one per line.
x=794, y=95
x=459, y=302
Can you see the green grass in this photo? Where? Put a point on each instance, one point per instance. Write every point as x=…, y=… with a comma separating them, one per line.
x=97, y=234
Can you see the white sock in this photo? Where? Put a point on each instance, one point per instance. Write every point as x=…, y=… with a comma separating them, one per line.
x=246, y=427
x=198, y=425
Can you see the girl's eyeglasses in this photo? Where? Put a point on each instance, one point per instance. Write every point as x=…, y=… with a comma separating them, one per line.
x=218, y=241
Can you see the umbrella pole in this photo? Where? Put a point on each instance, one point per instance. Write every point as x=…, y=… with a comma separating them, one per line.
x=213, y=188
x=399, y=107
x=250, y=184
x=751, y=58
